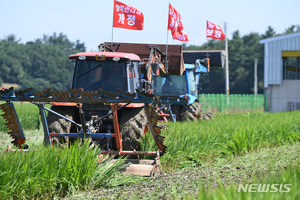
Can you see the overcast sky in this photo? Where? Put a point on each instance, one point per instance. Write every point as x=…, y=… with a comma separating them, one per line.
x=90, y=21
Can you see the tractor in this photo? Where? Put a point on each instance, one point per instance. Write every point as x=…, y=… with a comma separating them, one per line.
x=197, y=66
x=110, y=71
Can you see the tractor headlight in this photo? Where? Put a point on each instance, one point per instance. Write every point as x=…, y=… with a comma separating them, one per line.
x=116, y=59
x=81, y=57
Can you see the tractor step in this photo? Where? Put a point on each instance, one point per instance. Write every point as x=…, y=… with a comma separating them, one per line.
x=140, y=167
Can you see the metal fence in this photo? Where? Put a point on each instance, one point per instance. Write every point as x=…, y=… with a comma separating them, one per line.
x=233, y=103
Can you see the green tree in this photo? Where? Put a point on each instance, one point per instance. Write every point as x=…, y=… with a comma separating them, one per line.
x=292, y=29
x=39, y=64
x=269, y=33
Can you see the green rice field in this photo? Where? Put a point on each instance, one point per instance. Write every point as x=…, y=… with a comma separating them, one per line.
x=28, y=114
x=204, y=160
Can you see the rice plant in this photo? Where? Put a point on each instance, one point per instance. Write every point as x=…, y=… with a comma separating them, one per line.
x=226, y=135
x=46, y=173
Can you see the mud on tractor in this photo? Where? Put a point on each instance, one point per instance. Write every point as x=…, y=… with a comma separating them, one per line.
x=109, y=101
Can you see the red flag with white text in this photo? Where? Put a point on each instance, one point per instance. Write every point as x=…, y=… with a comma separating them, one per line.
x=214, y=31
x=127, y=17
x=174, y=22
x=183, y=37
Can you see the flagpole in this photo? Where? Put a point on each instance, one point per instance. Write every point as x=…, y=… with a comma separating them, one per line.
x=167, y=51
x=226, y=66
x=207, y=49
x=112, y=35
x=112, y=27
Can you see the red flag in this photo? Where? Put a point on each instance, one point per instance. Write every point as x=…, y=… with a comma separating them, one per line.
x=214, y=31
x=174, y=22
x=183, y=37
x=127, y=17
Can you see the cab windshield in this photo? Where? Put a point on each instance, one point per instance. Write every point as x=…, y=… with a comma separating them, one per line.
x=107, y=75
x=170, y=85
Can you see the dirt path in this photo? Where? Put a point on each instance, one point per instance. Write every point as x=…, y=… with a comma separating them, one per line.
x=186, y=181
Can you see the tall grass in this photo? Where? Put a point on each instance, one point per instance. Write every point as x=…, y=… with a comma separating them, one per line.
x=48, y=172
x=28, y=115
x=226, y=135
x=288, y=176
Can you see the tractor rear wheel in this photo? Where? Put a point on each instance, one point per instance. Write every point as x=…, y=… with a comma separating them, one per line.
x=57, y=124
x=192, y=114
x=132, y=125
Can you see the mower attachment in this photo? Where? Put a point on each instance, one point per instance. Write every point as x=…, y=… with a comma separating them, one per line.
x=13, y=124
x=150, y=102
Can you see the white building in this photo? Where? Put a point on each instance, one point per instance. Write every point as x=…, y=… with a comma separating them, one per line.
x=282, y=72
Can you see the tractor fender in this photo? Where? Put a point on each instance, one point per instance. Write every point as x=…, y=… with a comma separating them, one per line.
x=191, y=98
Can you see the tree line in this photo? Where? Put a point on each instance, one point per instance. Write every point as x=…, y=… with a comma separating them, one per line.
x=44, y=62
x=39, y=64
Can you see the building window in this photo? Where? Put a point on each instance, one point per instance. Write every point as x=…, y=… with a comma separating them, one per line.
x=291, y=65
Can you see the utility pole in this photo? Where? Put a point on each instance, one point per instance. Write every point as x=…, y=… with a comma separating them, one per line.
x=255, y=76
x=226, y=66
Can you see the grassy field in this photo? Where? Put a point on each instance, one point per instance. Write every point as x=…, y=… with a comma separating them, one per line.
x=205, y=160
x=28, y=114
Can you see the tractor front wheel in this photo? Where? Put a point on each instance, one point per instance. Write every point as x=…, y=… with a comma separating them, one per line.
x=132, y=125
x=57, y=124
x=192, y=114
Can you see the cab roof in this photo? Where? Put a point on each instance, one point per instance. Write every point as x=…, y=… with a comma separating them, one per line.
x=129, y=56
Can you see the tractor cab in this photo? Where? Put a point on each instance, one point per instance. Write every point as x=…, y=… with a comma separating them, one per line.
x=185, y=85
x=106, y=70
x=106, y=73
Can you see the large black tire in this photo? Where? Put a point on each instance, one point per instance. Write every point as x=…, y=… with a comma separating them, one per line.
x=207, y=116
x=191, y=115
x=57, y=124
x=132, y=125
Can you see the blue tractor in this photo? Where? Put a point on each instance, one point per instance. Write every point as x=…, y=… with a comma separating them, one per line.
x=185, y=86
x=176, y=74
